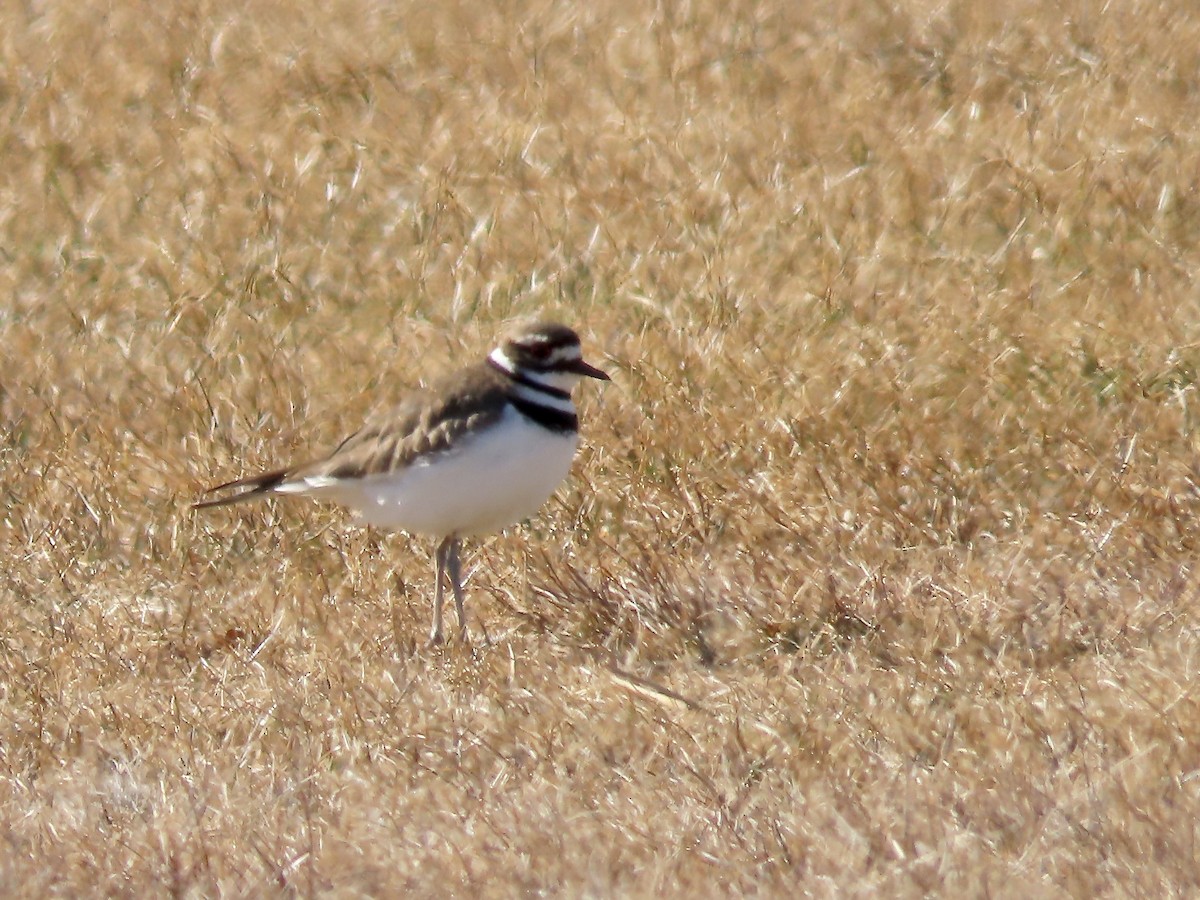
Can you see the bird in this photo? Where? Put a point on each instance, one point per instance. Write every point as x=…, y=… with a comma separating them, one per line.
x=479, y=450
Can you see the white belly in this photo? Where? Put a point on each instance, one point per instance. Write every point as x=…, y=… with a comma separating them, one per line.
x=495, y=480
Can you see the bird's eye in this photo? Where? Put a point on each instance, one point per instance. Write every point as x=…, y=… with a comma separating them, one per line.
x=539, y=351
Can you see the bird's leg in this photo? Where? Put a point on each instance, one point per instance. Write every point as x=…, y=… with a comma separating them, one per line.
x=439, y=593
x=454, y=570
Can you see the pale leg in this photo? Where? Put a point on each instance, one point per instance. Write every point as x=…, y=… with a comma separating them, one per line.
x=443, y=550
x=454, y=570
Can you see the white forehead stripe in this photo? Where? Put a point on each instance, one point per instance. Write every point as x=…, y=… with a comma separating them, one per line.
x=570, y=352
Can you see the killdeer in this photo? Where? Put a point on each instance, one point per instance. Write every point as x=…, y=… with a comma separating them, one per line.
x=478, y=451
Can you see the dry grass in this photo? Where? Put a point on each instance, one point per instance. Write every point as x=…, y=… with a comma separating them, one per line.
x=896, y=479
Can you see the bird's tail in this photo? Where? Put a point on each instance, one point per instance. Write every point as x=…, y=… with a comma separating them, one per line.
x=250, y=488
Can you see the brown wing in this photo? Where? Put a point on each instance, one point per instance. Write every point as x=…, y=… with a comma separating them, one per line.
x=426, y=422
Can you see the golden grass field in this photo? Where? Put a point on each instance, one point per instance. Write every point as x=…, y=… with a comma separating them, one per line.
x=876, y=574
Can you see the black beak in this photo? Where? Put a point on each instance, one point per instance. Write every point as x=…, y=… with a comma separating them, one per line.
x=579, y=367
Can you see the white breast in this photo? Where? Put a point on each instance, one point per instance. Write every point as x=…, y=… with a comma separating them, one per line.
x=497, y=478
